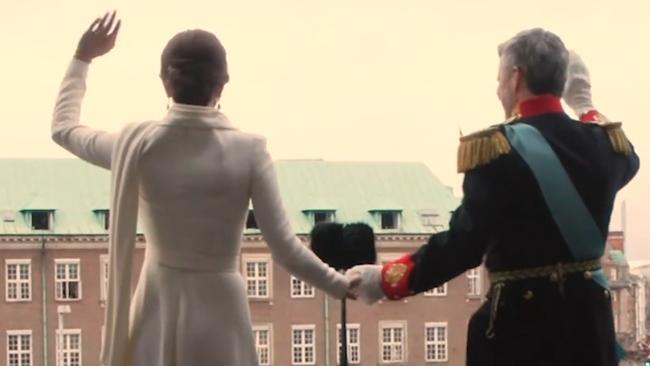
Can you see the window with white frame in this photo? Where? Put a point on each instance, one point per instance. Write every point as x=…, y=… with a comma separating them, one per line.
x=322, y=216
x=474, y=282
x=435, y=342
x=18, y=280
x=303, y=345
x=437, y=291
x=67, y=279
x=69, y=348
x=262, y=334
x=301, y=289
x=257, y=272
x=41, y=220
x=103, y=277
x=392, y=345
x=19, y=348
x=354, y=343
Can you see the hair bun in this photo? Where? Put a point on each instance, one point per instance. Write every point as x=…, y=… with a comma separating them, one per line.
x=194, y=65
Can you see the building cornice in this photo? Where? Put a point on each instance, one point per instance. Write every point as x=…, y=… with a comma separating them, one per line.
x=13, y=242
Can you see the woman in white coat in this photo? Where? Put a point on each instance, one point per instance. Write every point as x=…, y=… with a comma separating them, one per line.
x=190, y=176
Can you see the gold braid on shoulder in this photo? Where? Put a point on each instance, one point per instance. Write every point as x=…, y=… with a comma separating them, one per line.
x=481, y=148
x=617, y=137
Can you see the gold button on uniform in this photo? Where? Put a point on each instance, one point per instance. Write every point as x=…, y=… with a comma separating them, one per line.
x=555, y=277
x=588, y=275
x=528, y=295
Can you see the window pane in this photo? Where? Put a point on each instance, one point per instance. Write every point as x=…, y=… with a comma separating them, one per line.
x=12, y=291
x=11, y=272
x=60, y=271
x=24, y=271
x=24, y=343
x=388, y=220
x=13, y=342
x=40, y=220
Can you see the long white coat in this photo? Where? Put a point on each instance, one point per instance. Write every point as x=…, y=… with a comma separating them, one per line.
x=197, y=174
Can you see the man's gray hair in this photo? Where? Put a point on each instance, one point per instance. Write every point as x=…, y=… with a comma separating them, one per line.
x=541, y=56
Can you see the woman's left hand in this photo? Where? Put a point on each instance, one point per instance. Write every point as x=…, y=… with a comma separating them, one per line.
x=99, y=39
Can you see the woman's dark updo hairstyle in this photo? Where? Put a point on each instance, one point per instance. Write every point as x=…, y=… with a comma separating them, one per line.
x=193, y=65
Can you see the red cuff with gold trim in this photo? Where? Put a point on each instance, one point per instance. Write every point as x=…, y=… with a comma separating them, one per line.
x=395, y=277
x=590, y=117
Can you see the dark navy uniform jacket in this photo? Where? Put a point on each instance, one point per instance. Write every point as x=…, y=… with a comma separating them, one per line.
x=504, y=221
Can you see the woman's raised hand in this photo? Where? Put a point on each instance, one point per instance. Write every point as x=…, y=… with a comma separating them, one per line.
x=99, y=39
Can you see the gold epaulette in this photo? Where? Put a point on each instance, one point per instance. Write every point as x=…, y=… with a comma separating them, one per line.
x=481, y=148
x=617, y=137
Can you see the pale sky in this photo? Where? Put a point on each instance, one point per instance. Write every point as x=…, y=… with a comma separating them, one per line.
x=340, y=80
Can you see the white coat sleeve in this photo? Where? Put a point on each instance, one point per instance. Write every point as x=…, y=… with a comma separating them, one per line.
x=285, y=246
x=88, y=144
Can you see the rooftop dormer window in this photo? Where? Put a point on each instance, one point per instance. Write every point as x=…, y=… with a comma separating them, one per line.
x=40, y=220
x=104, y=217
x=388, y=219
x=318, y=216
x=323, y=216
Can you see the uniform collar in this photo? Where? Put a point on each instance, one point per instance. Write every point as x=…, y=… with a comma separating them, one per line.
x=199, y=116
x=538, y=105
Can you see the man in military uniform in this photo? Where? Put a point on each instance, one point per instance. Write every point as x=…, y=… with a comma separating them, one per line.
x=537, y=198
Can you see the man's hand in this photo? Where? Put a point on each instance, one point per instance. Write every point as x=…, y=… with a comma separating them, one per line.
x=354, y=282
x=577, y=91
x=368, y=286
x=99, y=39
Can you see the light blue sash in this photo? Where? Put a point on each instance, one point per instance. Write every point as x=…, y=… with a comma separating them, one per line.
x=567, y=208
x=569, y=212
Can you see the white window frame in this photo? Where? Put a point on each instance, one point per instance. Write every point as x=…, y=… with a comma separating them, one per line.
x=20, y=351
x=439, y=291
x=103, y=277
x=66, y=262
x=18, y=281
x=393, y=324
x=68, y=332
x=303, y=346
x=306, y=291
x=474, y=274
x=258, y=258
x=435, y=343
x=351, y=346
x=269, y=329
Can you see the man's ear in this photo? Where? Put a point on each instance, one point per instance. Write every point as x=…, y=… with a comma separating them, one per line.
x=518, y=78
x=168, y=89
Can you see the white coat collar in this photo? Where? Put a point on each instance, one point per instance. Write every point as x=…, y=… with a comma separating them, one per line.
x=194, y=115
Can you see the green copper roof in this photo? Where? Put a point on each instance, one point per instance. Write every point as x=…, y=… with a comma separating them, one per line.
x=355, y=191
